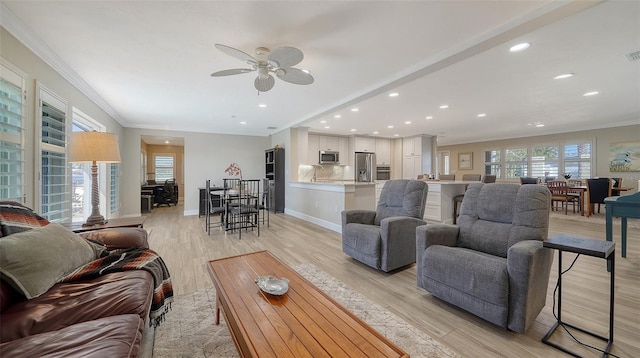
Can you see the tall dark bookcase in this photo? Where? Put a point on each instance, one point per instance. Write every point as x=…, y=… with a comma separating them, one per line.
x=274, y=171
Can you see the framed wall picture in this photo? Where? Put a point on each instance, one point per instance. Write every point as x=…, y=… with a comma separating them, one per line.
x=624, y=157
x=465, y=160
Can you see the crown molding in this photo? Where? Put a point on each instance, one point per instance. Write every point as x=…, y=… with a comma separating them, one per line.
x=23, y=33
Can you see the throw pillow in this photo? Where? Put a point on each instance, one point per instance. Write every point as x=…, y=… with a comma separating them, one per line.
x=15, y=217
x=33, y=261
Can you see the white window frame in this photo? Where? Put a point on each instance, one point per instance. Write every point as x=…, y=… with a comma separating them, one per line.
x=63, y=211
x=525, y=163
x=12, y=184
x=591, y=159
x=535, y=161
x=155, y=168
x=499, y=163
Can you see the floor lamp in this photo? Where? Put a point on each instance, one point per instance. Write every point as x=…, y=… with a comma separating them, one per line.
x=94, y=147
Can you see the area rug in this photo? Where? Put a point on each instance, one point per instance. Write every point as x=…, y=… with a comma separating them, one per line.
x=189, y=329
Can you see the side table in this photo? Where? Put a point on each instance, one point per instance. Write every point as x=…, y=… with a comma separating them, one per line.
x=112, y=223
x=589, y=247
x=627, y=206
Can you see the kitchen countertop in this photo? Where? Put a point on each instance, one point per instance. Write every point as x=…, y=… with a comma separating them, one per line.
x=333, y=182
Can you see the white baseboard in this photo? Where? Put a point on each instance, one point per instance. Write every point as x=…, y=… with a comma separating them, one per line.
x=191, y=212
x=325, y=224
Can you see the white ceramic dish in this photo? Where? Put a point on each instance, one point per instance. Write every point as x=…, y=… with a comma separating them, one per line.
x=273, y=285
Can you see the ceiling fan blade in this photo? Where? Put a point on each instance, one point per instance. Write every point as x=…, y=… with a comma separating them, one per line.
x=235, y=71
x=237, y=54
x=285, y=57
x=295, y=76
x=264, y=84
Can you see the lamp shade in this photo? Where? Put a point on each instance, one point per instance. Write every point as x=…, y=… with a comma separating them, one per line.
x=100, y=147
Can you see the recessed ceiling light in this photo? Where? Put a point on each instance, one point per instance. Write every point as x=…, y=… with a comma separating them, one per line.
x=444, y=106
x=519, y=47
x=407, y=122
x=352, y=129
x=591, y=93
x=389, y=127
x=482, y=115
x=166, y=141
x=355, y=109
x=394, y=94
x=323, y=121
x=337, y=116
x=376, y=132
x=326, y=127
x=563, y=76
x=243, y=122
x=262, y=105
x=396, y=135
x=536, y=124
x=428, y=117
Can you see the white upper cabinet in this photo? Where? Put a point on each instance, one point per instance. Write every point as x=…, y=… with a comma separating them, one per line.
x=412, y=146
x=383, y=151
x=329, y=143
x=345, y=158
x=364, y=144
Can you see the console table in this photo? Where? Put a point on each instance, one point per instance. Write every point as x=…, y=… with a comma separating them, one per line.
x=583, y=246
x=627, y=206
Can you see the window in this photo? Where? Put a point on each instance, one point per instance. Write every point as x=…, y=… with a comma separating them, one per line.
x=163, y=167
x=516, y=163
x=544, y=161
x=577, y=159
x=55, y=198
x=114, y=170
x=492, y=163
x=539, y=161
x=12, y=94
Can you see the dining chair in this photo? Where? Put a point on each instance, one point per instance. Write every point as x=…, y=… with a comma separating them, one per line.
x=617, y=183
x=489, y=179
x=244, y=214
x=457, y=200
x=597, y=190
x=264, y=204
x=560, y=194
x=212, y=207
x=447, y=177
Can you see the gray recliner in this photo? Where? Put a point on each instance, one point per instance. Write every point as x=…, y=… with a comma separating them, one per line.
x=492, y=264
x=385, y=239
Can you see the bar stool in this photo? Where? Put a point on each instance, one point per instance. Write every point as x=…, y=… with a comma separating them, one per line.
x=457, y=200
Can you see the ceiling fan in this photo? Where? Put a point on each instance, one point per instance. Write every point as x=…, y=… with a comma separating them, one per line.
x=278, y=61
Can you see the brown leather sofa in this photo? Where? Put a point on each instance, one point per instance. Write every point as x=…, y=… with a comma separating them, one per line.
x=103, y=317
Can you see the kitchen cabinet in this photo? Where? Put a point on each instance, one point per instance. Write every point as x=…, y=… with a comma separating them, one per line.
x=313, y=149
x=329, y=143
x=412, y=146
x=346, y=158
x=383, y=152
x=411, y=166
x=364, y=144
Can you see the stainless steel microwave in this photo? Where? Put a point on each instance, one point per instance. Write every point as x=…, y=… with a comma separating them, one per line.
x=328, y=157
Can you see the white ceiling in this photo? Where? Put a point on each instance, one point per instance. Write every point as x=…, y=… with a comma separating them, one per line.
x=148, y=64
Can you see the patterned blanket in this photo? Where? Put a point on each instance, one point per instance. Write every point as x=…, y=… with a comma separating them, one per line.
x=133, y=259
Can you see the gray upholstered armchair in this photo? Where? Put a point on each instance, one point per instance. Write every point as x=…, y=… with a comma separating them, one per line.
x=492, y=264
x=385, y=239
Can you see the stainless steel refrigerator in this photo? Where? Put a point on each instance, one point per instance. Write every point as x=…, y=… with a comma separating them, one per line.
x=365, y=165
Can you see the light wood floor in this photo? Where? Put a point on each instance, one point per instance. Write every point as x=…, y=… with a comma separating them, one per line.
x=185, y=246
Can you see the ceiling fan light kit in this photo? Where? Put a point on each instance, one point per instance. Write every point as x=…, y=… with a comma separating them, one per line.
x=278, y=62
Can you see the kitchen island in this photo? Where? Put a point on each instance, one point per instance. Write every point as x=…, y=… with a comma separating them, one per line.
x=322, y=202
x=439, y=207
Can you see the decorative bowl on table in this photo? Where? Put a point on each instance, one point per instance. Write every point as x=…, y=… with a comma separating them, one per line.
x=273, y=285
x=567, y=176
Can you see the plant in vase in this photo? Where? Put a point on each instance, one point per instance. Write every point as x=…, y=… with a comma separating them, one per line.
x=567, y=176
x=234, y=170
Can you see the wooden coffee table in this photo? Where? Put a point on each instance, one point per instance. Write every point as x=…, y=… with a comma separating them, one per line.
x=304, y=322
